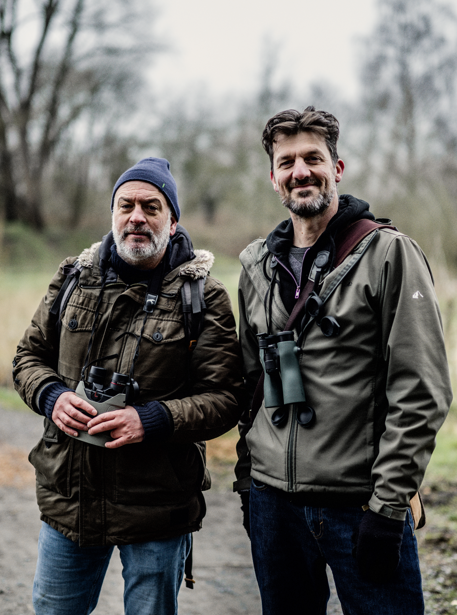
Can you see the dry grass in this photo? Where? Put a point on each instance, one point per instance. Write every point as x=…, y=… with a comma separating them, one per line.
x=222, y=450
x=20, y=295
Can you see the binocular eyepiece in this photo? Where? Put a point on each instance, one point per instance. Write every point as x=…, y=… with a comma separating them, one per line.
x=328, y=324
x=120, y=383
x=283, y=384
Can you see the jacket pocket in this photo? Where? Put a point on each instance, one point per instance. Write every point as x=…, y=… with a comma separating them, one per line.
x=205, y=480
x=77, y=324
x=162, y=366
x=52, y=459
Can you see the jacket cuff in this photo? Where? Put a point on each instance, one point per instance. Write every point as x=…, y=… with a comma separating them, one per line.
x=386, y=511
x=155, y=420
x=243, y=484
x=48, y=398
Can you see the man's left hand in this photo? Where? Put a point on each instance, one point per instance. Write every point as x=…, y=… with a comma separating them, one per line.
x=124, y=425
x=377, y=546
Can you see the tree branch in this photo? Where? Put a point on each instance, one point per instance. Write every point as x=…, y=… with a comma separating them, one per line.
x=63, y=70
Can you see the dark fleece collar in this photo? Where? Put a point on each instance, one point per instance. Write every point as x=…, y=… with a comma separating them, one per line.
x=280, y=241
x=350, y=209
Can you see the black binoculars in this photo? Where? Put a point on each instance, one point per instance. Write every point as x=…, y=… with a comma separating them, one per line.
x=121, y=391
x=120, y=383
x=283, y=384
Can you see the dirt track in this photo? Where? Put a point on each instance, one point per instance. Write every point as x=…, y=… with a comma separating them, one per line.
x=225, y=582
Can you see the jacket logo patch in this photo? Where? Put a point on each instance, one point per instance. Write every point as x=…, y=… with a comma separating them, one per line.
x=418, y=294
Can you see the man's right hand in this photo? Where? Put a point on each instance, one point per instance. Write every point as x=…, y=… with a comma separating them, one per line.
x=67, y=413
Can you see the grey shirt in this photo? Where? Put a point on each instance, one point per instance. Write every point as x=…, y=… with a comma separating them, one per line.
x=296, y=256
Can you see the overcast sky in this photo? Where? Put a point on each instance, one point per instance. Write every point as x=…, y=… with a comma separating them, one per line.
x=219, y=43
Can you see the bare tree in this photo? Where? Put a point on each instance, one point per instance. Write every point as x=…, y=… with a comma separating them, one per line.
x=65, y=65
x=408, y=76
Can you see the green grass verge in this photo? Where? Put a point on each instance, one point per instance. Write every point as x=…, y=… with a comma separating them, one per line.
x=443, y=463
x=10, y=400
x=227, y=270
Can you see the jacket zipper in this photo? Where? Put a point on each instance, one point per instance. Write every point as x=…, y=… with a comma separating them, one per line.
x=294, y=424
x=297, y=284
x=291, y=450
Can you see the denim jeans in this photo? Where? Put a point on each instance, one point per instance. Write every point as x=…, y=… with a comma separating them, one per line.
x=69, y=578
x=293, y=544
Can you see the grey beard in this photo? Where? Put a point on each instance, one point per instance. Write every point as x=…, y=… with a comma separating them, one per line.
x=137, y=254
x=311, y=209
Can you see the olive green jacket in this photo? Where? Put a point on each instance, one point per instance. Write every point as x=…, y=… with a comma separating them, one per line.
x=143, y=491
x=380, y=390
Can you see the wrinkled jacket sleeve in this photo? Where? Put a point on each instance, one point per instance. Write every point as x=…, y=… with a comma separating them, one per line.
x=215, y=375
x=417, y=381
x=35, y=363
x=252, y=373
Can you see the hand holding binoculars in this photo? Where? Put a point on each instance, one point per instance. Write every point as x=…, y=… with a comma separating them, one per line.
x=283, y=384
x=121, y=391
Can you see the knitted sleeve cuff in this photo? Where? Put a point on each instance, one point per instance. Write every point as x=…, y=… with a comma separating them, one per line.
x=156, y=421
x=49, y=397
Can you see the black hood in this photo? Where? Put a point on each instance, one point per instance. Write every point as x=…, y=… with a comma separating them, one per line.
x=280, y=241
x=179, y=251
x=350, y=209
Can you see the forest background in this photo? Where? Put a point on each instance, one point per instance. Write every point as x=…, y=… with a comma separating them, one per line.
x=76, y=110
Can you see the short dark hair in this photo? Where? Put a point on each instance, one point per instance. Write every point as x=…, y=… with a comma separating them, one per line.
x=291, y=122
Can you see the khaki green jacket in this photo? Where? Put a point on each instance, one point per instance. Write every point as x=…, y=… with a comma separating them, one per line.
x=380, y=390
x=144, y=491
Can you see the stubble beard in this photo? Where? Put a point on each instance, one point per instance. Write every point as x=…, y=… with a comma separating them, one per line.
x=313, y=208
x=141, y=252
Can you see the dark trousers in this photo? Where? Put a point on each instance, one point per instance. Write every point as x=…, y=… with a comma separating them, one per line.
x=292, y=545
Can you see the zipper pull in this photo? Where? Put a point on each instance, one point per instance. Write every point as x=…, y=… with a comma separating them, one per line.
x=297, y=292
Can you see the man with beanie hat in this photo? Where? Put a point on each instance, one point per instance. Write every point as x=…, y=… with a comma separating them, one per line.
x=346, y=368
x=129, y=392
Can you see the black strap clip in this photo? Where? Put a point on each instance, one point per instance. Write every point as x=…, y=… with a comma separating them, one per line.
x=150, y=302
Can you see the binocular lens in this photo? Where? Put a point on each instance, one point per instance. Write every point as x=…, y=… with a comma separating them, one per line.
x=313, y=305
x=305, y=415
x=120, y=379
x=330, y=326
x=96, y=375
x=279, y=417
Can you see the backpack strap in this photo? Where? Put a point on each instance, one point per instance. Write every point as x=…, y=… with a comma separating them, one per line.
x=60, y=302
x=347, y=239
x=193, y=305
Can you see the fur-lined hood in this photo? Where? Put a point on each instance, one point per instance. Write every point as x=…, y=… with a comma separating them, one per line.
x=194, y=264
x=200, y=266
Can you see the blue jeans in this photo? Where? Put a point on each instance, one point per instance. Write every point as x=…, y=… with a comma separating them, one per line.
x=292, y=545
x=69, y=578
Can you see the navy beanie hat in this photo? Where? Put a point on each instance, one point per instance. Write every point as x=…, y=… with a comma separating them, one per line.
x=155, y=171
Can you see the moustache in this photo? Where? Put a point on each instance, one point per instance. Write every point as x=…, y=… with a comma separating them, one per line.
x=138, y=230
x=304, y=183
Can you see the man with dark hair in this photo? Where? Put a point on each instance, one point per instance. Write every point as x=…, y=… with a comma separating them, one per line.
x=132, y=473
x=346, y=406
